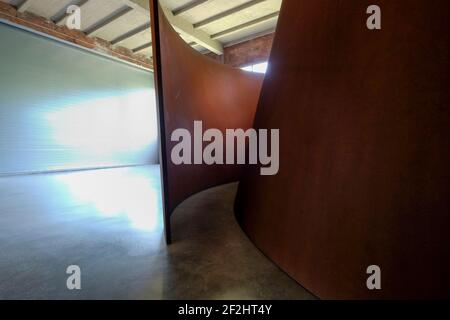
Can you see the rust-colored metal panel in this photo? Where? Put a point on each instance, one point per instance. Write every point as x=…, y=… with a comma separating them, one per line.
x=193, y=87
x=364, y=149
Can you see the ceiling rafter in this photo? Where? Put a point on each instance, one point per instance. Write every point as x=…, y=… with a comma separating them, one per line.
x=245, y=25
x=131, y=33
x=227, y=13
x=25, y=5
x=189, y=6
x=142, y=47
x=109, y=19
x=186, y=28
x=60, y=21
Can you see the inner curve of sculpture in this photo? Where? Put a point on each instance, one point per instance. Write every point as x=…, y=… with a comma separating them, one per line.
x=363, y=120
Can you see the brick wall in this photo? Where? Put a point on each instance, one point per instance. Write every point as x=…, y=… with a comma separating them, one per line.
x=43, y=25
x=246, y=53
x=215, y=57
x=249, y=52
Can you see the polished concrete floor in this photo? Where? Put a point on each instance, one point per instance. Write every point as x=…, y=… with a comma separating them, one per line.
x=109, y=223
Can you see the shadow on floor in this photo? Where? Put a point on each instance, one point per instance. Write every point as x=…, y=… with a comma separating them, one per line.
x=109, y=222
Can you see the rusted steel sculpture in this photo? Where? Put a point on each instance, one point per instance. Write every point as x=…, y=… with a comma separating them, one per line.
x=193, y=87
x=364, y=150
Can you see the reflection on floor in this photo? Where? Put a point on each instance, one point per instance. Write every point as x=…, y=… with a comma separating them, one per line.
x=109, y=222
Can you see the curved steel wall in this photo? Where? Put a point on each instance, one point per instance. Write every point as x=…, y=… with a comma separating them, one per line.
x=364, y=173
x=193, y=87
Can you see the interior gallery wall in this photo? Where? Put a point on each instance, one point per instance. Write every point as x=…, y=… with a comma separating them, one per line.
x=363, y=118
x=63, y=107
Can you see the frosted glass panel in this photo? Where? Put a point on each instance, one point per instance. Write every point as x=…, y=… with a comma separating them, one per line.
x=65, y=108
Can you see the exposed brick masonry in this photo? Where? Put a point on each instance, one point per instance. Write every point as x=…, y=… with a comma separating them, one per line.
x=246, y=53
x=43, y=25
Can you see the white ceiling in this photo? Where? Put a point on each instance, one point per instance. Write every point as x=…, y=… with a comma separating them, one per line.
x=211, y=8
x=128, y=20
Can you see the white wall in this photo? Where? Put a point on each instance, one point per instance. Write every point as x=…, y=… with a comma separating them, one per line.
x=66, y=108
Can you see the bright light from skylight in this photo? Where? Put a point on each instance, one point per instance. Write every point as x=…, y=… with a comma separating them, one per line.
x=258, y=68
